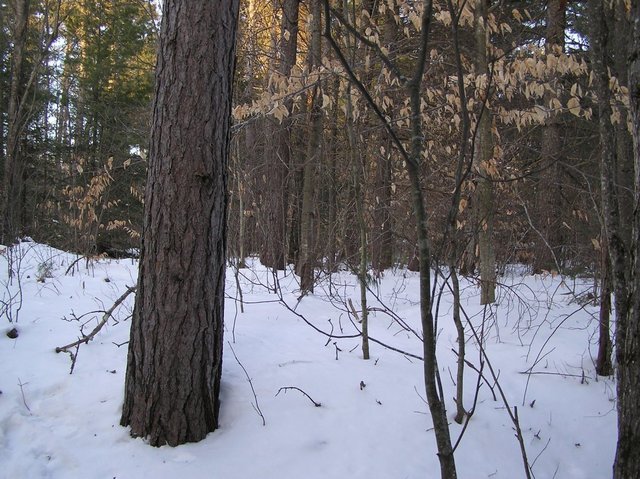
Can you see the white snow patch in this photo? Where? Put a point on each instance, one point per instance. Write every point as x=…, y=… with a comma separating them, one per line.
x=57, y=425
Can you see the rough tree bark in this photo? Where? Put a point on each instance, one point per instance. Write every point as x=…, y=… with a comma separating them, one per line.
x=617, y=246
x=627, y=461
x=357, y=173
x=175, y=350
x=603, y=361
x=619, y=25
x=332, y=187
x=382, y=234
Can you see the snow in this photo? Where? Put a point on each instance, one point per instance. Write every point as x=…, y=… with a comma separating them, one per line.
x=372, y=422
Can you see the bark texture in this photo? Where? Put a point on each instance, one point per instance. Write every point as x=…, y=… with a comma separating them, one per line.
x=627, y=462
x=603, y=361
x=175, y=350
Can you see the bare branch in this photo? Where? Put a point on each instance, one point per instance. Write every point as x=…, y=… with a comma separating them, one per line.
x=24, y=401
x=373, y=45
x=361, y=88
x=107, y=314
x=286, y=388
x=256, y=406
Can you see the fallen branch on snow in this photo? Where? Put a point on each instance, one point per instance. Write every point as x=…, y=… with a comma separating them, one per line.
x=316, y=404
x=105, y=317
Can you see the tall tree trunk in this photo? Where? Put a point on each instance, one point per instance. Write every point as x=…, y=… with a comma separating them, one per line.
x=278, y=151
x=618, y=24
x=382, y=232
x=482, y=156
x=433, y=389
x=382, y=236
x=618, y=248
x=620, y=164
x=63, y=114
x=11, y=203
x=613, y=32
x=603, y=361
x=332, y=189
x=307, y=256
x=627, y=461
x=175, y=350
x=357, y=174
x=4, y=49
x=549, y=188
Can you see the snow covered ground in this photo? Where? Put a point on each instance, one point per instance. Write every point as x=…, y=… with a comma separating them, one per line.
x=372, y=422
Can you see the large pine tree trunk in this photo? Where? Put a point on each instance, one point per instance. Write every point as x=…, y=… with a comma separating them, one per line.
x=175, y=350
x=627, y=462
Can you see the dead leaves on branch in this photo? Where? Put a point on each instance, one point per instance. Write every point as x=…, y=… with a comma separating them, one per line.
x=282, y=94
x=527, y=87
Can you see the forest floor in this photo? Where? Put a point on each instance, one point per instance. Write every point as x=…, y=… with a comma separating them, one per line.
x=372, y=421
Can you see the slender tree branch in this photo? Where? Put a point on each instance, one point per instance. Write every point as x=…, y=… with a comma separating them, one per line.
x=286, y=388
x=24, y=401
x=256, y=406
x=361, y=88
x=107, y=314
x=373, y=45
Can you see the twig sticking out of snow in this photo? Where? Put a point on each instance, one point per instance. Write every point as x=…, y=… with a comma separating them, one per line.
x=316, y=404
x=24, y=401
x=256, y=406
